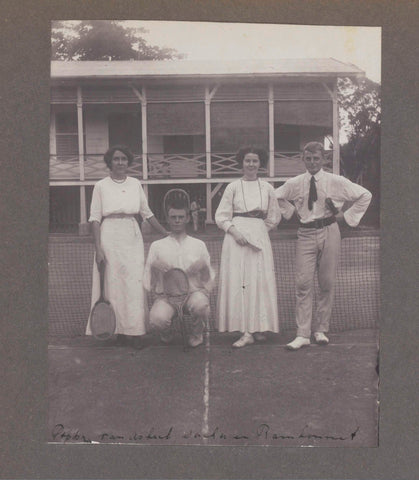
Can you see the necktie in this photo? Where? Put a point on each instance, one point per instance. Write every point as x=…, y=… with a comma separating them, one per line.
x=312, y=194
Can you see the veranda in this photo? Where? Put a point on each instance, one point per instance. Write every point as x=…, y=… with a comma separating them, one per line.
x=184, y=121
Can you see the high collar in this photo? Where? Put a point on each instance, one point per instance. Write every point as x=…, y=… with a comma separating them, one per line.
x=178, y=240
x=317, y=176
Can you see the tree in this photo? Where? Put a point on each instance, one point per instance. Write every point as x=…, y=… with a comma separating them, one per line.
x=360, y=117
x=360, y=104
x=104, y=40
x=360, y=108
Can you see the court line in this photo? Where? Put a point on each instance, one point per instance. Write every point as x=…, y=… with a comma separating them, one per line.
x=205, y=424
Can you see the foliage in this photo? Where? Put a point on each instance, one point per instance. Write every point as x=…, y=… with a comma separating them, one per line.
x=360, y=116
x=104, y=40
x=360, y=103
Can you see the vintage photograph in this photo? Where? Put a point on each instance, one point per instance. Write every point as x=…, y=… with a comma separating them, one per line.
x=214, y=234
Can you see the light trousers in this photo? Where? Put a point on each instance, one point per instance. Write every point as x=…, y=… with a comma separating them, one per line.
x=317, y=252
x=197, y=305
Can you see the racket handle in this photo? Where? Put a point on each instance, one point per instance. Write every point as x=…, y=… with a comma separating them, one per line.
x=331, y=206
x=182, y=327
x=101, y=268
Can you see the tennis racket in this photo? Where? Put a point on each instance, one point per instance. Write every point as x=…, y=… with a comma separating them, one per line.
x=331, y=206
x=176, y=289
x=176, y=198
x=102, y=318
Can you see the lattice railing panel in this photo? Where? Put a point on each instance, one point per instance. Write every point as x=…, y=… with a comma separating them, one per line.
x=290, y=164
x=160, y=165
x=66, y=167
x=225, y=164
x=182, y=165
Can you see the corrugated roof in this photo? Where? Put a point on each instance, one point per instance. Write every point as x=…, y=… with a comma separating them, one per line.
x=193, y=68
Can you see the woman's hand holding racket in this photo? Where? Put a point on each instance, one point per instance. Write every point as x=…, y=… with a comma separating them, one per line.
x=238, y=237
x=242, y=240
x=100, y=256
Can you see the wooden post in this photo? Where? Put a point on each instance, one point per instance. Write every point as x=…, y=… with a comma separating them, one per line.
x=144, y=133
x=336, y=149
x=83, y=225
x=208, y=97
x=53, y=134
x=208, y=132
x=271, y=105
x=209, y=204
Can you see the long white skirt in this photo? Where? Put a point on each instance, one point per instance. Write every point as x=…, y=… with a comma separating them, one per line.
x=247, y=300
x=123, y=245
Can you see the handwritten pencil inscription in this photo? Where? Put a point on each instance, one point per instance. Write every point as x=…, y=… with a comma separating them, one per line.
x=262, y=434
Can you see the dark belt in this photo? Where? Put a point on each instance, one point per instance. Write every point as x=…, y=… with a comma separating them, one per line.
x=119, y=215
x=319, y=223
x=252, y=214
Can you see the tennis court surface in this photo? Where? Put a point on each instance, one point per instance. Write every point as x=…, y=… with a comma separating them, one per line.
x=214, y=395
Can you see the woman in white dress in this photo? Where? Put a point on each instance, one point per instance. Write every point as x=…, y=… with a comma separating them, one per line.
x=118, y=241
x=248, y=209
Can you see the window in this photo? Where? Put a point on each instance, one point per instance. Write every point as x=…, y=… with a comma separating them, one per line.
x=184, y=143
x=66, y=134
x=125, y=129
x=287, y=138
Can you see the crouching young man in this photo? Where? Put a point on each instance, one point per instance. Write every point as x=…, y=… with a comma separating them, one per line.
x=179, y=250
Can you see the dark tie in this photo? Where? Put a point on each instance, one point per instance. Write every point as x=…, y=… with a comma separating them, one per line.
x=312, y=194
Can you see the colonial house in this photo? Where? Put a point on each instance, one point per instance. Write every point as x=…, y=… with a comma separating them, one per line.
x=184, y=120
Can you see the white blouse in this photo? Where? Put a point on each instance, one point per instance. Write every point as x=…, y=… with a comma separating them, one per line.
x=111, y=197
x=187, y=254
x=243, y=196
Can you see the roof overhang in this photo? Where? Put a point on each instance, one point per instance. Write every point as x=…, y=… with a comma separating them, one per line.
x=184, y=71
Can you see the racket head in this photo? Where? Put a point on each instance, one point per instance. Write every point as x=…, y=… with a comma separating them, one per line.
x=102, y=321
x=176, y=286
x=176, y=198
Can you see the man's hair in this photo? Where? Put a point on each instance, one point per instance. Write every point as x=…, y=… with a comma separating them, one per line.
x=177, y=206
x=313, y=147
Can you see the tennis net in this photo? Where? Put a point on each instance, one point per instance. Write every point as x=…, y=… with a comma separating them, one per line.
x=357, y=293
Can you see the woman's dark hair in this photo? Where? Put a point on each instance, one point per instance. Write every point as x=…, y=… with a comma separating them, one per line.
x=259, y=151
x=122, y=148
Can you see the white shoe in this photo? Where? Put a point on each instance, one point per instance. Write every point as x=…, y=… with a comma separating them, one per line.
x=195, y=340
x=297, y=343
x=167, y=336
x=246, y=339
x=321, y=338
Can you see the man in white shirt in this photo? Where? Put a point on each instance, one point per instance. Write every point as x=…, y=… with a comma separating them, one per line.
x=179, y=250
x=318, y=198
